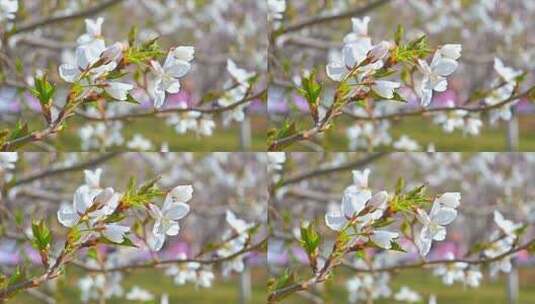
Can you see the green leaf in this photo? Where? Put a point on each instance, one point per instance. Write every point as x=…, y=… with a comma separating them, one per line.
x=400, y=185
x=310, y=239
x=41, y=235
x=17, y=276
x=44, y=91
x=396, y=247
x=287, y=278
x=132, y=35
x=126, y=242
x=287, y=129
x=142, y=196
x=8, y=137
x=400, y=33
x=311, y=91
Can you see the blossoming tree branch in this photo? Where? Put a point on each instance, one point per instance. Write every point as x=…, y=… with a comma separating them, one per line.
x=103, y=232
x=375, y=84
x=372, y=235
x=105, y=79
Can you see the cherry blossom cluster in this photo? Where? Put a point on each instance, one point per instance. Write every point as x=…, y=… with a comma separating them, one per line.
x=380, y=233
x=111, y=232
x=380, y=83
x=8, y=9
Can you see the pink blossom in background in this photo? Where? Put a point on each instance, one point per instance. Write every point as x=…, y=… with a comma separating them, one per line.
x=441, y=99
x=174, y=249
x=299, y=254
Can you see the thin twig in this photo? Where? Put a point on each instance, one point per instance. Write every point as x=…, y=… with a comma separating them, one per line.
x=334, y=17
x=51, y=172
x=58, y=19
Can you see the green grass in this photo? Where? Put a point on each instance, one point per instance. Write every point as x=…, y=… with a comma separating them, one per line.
x=490, y=292
x=223, y=291
x=155, y=129
x=424, y=132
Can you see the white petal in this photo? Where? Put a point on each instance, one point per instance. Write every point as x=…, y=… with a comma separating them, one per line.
x=422, y=216
x=67, y=216
x=444, y=66
x=444, y=216
x=383, y=238
x=156, y=241
x=83, y=198
x=155, y=212
x=439, y=233
x=178, y=68
x=236, y=223
x=452, y=51
x=349, y=56
x=379, y=199
x=335, y=221
x=92, y=178
x=176, y=211
x=385, y=88
x=354, y=201
x=423, y=242
x=159, y=95
x=360, y=178
x=115, y=232
x=68, y=72
x=172, y=85
x=172, y=229
x=336, y=71
x=450, y=199
x=185, y=53
x=181, y=193
x=440, y=84
x=426, y=95
x=118, y=90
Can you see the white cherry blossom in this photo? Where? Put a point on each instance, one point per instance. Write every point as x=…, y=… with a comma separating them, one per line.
x=385, y=88
x=276, y=8
x=166, y=218
x=176, y=65
x=115, y=232
x=383, y=238
x=93, y=31
x=405, y=294
x=8, y=160
x=434, y=75
x=451, y=272
x=506, y=226
x=8, y=9
x=442, y=213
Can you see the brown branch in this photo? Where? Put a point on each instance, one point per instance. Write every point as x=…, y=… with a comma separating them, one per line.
x=278, y=294
x=334, y=17
x=343, y=167
x=174, y=261
x=437, y=262
x=52, y=172
x=307, y=134
x=441, y=109
x=173, y=110
x=59, y=19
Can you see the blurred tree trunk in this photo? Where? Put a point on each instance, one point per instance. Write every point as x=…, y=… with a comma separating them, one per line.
x=245, y=134
x=512, y=131
x=512, y=284
x=245, y=285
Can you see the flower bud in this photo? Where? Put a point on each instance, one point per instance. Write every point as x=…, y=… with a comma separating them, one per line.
x=379, y=51
x=114, y=52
